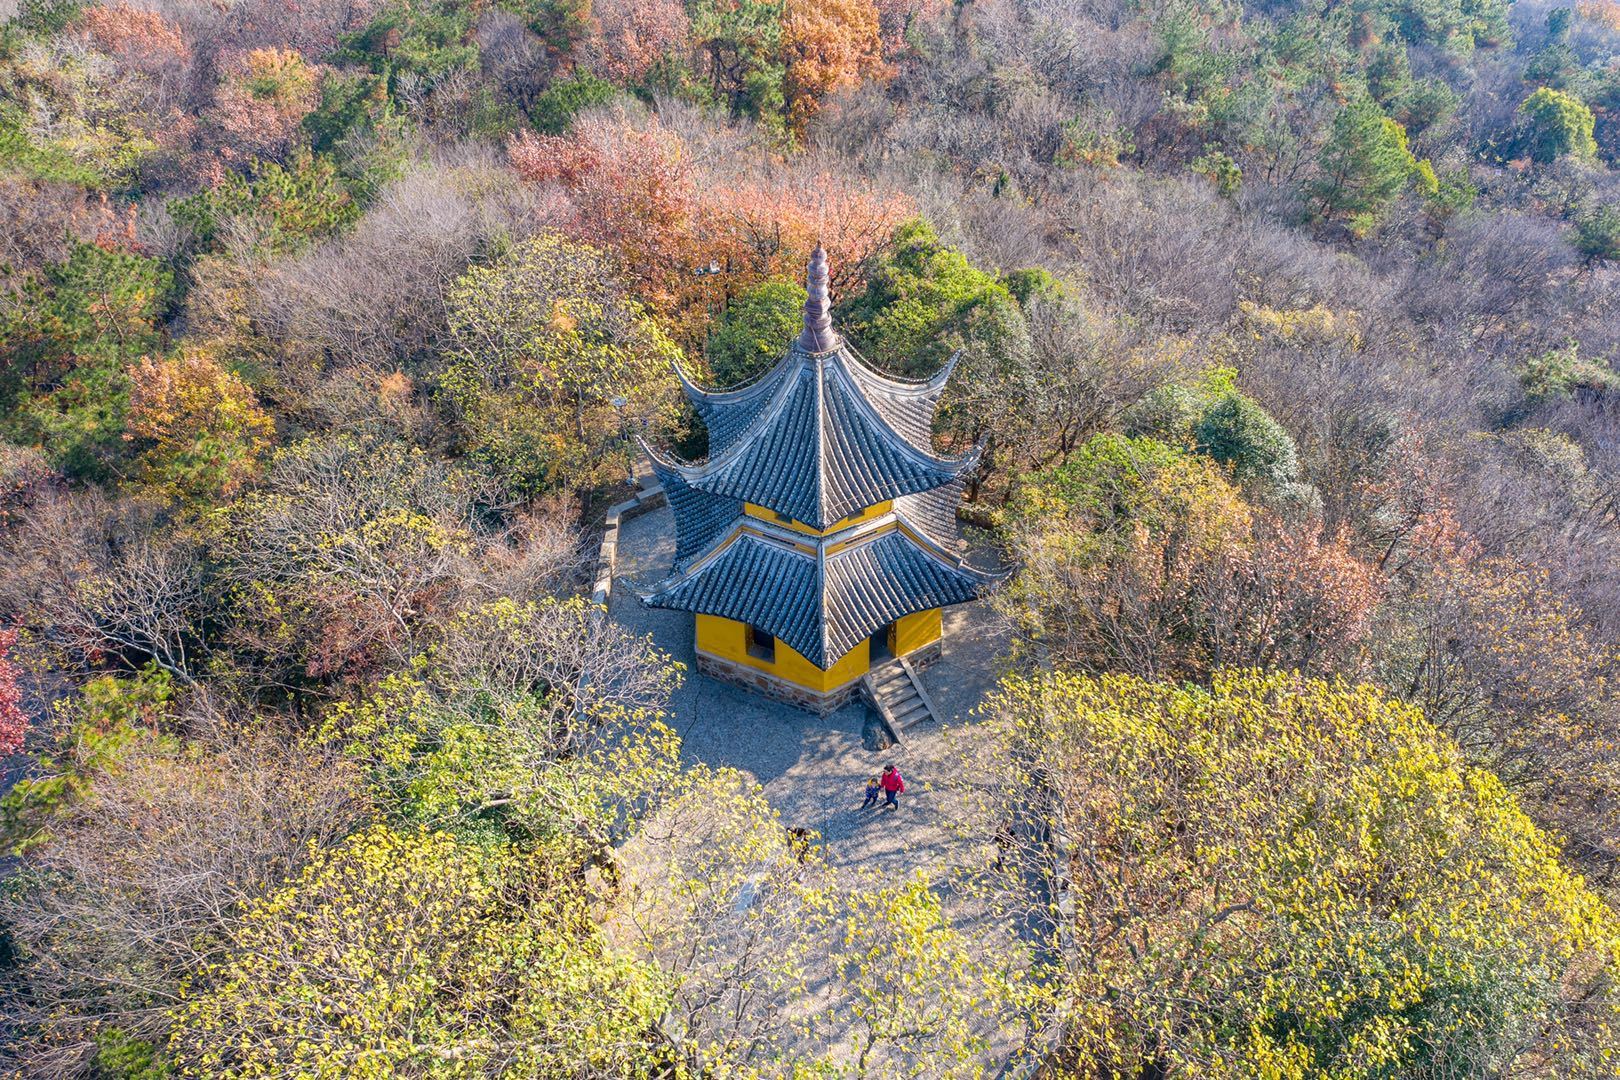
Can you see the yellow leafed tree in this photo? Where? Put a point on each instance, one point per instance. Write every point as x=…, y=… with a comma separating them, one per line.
x=1293, y=878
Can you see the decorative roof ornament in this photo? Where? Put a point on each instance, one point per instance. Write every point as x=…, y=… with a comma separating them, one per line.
x=818, y=335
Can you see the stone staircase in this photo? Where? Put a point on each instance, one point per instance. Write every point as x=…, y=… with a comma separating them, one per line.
x=896, y=691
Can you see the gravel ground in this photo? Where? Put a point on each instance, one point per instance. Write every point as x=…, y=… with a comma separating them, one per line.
x=814, y=768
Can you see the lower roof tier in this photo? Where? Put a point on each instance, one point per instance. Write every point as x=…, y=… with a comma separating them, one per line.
x=820, y=601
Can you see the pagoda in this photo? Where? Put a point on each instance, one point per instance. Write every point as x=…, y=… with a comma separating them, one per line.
x=819, y=537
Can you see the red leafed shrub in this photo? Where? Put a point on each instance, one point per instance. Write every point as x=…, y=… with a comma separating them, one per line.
x=13, y=721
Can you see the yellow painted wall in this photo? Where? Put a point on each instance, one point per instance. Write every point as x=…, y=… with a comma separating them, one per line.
x=728, y=640
x=912, y=632
x=767, y=514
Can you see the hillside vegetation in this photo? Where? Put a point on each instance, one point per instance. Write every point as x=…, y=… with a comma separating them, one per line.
x=1288, y=330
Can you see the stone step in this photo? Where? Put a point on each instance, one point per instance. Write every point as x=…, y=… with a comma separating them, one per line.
x=916, y=713
x=896, y=690
x=897, y=694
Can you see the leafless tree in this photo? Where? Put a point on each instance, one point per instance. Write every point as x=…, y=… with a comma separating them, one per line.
x=104, y=582
x=137, y=888
x=375, y=297
x=350, y=552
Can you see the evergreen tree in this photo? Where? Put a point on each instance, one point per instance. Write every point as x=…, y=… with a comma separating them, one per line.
x=754, y=330
x=1597, y=235
x=1364, y=164
x=1560, y=125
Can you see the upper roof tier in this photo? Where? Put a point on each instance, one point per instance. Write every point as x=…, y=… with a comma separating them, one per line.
x=821, y=436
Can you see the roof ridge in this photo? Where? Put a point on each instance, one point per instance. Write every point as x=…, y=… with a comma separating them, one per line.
x=821, y=488
x=727, y=395
x=919, y=536
x=902, y=387
x=746, y=436
x=907, y=446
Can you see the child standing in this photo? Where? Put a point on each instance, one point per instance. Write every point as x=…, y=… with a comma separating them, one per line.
x=874, y=788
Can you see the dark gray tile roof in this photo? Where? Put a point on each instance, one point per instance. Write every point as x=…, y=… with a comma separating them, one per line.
x=820, y=605
x=906, y=406
x=817, y=450
x=727, y=414
x=753, y=581
x=700, y=518
x=819, y=437
x=874, y=583
x=933, y=513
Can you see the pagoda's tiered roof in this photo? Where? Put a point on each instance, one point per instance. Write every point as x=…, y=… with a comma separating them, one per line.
x=818, y=439
x=821, y=603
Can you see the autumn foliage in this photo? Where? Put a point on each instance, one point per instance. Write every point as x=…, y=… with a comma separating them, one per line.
x=13, y=721
x=1268, y=818
x=693, y=238
x=830, y=45
x=1142, y=558
x=257, y=110
x=202, y=428
x=632, y=36
x=1284, y=371
x=134, y=35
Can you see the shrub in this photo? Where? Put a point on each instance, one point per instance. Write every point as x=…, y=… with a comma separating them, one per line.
x=1561, y=372
x=555, y=109
x=1238, y=433
x=754, y=331
x=1286, y=877
x=1559, y=125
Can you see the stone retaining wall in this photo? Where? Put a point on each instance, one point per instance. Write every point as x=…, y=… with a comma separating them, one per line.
x=607, y=557
x=607, y=561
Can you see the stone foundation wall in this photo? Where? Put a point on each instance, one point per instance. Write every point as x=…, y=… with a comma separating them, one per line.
x=780, y=689
x=821, y=704
x=921, y=658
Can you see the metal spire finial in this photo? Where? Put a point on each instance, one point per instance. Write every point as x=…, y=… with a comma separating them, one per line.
x=818, y=335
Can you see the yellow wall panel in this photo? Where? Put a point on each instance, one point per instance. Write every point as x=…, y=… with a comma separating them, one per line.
x=766, y=514
x=728, y=640
x=725, y=638
x=912, y=632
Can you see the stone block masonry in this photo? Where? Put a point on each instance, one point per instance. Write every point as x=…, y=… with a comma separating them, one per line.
x=779, y=689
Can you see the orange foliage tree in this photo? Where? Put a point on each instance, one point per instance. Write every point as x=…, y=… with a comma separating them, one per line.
x=136, y=37
x=692, y=239
x=772, y=223
x=203, y=430
x=1140, y=557
x=1290, y=596
x=1604, y=12
x=828, y=45
x=632, y=191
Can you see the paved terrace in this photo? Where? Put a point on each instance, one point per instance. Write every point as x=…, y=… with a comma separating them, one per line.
x=814, y=769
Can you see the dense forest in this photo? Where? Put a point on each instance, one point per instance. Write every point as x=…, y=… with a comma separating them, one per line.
x=1288, y=330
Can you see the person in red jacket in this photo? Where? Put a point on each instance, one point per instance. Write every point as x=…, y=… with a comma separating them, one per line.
x=893, y=785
